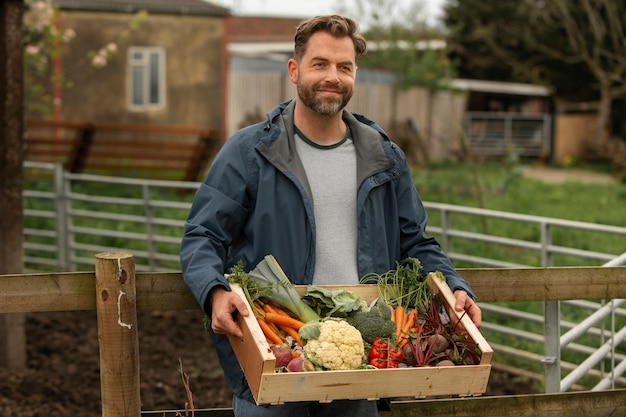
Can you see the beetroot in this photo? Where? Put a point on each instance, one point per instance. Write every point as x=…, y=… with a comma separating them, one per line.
x=300, y=364
x=438, y=342
x=407, y=353
x=283, y=355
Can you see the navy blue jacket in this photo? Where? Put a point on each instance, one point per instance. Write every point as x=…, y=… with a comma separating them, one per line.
x=256, y=201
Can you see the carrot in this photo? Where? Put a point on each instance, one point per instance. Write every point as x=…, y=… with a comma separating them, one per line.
x=257, y=309
x=268, y=332
x=282, y=320
x=273, y=327
x=399, y=319
x=408, y=324
x=281, y=311
x=292, y=332
x=268, y=308
x=401, y=342
x=275, y=309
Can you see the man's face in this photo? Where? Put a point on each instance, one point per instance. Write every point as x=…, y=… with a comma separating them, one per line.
x=325, y=75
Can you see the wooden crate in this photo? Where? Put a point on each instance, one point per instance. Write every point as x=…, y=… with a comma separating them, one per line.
x=269, y=387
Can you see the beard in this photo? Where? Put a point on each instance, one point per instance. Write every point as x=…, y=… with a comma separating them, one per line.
x=327, y=106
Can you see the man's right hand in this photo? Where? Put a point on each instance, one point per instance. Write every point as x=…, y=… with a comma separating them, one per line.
x=224, y=304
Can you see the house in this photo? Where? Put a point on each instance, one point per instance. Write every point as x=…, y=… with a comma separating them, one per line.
x=164, y=66
x=192, y=63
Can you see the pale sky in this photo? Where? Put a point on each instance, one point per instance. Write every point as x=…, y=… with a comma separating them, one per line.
x=309, y=8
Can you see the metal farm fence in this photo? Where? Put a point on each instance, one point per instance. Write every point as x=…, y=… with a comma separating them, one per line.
x=73, y=216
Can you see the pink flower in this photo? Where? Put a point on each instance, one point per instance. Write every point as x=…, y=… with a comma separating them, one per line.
x=99, y=61
x=32, y=49
x=68, y=35
x=40, y=15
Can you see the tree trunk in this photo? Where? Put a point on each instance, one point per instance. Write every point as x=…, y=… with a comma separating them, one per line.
x=12, y=336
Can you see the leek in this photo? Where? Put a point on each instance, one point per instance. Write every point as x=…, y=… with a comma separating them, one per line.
x=269, y=275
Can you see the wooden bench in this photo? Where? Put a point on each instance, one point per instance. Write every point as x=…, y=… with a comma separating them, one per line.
x=158, y=151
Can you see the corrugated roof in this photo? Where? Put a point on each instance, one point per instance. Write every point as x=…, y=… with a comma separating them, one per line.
x=193, y=7
x=485, y=86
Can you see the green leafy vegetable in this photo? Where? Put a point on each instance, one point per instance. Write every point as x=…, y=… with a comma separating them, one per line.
x=332, y=302
x=404, y=286
x=252, y=289
x=268, y=273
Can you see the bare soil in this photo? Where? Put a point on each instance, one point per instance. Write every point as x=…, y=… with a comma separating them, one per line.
x=62, y=377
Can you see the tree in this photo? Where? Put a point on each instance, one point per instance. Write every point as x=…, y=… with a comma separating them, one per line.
x=401, y=40
x=595, y=39
x=578, y=48
x=12, y=339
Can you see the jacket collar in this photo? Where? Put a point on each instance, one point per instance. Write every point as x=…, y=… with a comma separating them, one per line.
x=279, y=146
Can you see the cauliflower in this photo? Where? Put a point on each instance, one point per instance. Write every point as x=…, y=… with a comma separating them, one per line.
x=332, y=343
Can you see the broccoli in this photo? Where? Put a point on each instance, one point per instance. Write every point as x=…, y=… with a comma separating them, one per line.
x=374, y=322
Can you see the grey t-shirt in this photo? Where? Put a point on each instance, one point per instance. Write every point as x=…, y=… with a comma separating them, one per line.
x=331, y=172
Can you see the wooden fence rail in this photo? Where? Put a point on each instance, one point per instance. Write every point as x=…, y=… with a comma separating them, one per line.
x=163, y=151
x=116, y=292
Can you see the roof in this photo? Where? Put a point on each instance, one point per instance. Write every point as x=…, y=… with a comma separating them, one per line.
x=263, y=47
x=263, y=29
x=191, y=7
x=500, y=87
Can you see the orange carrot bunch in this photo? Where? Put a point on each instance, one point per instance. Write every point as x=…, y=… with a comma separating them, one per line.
x=276, y=323
x=405, y=323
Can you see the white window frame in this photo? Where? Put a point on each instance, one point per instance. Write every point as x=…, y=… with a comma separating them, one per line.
x=143, y=64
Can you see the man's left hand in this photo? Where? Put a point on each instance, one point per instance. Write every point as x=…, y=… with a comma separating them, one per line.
x=465, y=302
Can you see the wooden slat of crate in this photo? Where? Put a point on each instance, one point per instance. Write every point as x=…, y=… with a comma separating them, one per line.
x=327, y=386
x=268, y=387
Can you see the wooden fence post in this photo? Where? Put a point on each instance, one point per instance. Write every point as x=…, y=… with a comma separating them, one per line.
x=116, y=308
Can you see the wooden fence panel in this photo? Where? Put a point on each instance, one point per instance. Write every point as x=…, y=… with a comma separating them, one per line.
x=252, y=96
x=167, y=290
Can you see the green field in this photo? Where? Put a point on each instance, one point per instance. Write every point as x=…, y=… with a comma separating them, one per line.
x=505, y=188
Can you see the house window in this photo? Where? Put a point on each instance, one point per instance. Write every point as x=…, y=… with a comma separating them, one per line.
x=146, y=76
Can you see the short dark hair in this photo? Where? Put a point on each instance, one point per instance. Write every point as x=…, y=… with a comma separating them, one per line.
x=335, y=25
